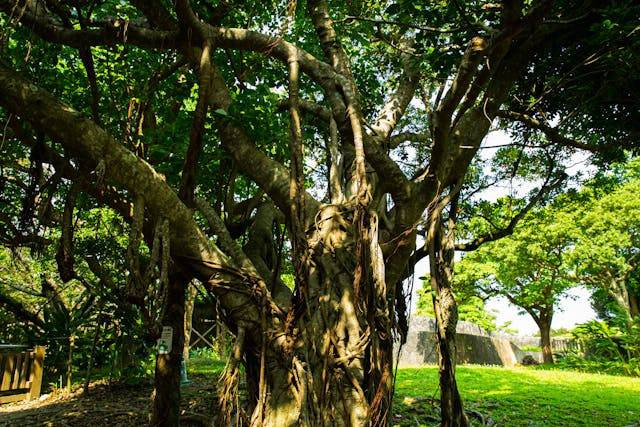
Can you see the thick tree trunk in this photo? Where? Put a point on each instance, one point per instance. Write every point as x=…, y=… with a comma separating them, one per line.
x=545, y=340
x=165, y=409
x=298, y=396
x=618, y=290
x=336, y=362
x=339, y=372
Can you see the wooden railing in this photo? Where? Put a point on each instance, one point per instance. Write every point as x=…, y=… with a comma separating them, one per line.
x=20, y=373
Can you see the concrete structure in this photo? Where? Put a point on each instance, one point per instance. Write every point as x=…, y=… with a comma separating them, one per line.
x=473, y=345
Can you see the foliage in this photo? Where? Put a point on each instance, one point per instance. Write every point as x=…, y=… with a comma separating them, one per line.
x=606, y=349
x=73, y=313
x=607, y=251
x=586, y=236
x=558, y=332
x=470, y=308
x=577, y=362
x=529, y=267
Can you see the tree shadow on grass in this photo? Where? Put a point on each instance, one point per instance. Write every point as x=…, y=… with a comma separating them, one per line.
x=526, y=397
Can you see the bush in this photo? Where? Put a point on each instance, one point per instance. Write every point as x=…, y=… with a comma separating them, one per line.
x=606, y=349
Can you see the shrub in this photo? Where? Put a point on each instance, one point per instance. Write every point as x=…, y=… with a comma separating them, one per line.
x=606, y=349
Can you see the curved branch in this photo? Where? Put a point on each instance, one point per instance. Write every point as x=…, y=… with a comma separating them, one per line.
x=107, y=32
x=92, y=145
x=552, y=133
x=400, y=138
x=190, y=167
x=270, y=175
x=15, y=307
x=508, y=230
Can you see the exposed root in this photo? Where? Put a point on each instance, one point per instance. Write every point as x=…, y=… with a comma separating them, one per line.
x=228, y=399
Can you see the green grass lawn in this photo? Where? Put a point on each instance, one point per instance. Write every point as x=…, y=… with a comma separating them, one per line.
x=525, y=396
x=528, y=396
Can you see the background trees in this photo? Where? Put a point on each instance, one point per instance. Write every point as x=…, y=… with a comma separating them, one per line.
x=528, y=268
x=607, y=253
x=585, y=237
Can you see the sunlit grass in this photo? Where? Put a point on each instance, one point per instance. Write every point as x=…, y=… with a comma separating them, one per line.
x=532, y=397
x=510, y=396
x=205, y=363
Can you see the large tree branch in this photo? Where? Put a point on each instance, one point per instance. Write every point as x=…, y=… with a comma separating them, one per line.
x=391, y=176
x=319, y=12
x=18, y=309
x=92, y=145
x=397, y=103
x=552, y=133
x=108, y=32
x=402, y=137
x=509, y=228
x=347, y=112
x=507, y=52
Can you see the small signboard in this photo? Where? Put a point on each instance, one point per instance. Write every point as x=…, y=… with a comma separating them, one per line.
x=165, y=340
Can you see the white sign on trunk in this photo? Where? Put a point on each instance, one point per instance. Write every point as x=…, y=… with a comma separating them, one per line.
x=164, y=342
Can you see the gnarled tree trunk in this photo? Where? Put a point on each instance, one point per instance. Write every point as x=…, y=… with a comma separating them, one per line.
x=335, y=363
x=321, y=355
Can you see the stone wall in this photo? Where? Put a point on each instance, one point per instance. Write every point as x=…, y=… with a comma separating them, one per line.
x=473, y=345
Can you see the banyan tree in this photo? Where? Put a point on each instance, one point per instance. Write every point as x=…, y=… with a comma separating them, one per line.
x=239, y=140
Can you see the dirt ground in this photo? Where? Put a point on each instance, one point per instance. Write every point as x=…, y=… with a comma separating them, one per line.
x=106, y=405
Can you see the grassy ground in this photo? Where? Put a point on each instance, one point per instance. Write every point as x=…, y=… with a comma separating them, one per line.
x=494, y=396
x=527, y=396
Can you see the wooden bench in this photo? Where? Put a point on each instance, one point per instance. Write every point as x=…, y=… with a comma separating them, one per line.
x=20, y=372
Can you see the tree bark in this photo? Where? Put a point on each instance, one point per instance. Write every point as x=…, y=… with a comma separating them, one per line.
x=188, y=318
x=621, y=295
x=634, y=307
x=165, y=409
x=72, y=342
x=451, y=408
x=545, y=339
x=441, y=257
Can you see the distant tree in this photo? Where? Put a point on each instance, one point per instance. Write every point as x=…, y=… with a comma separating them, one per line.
x=607, y=251
x=528, y=268
x=557, y=332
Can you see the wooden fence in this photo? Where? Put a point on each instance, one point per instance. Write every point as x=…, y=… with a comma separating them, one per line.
x=20, y=373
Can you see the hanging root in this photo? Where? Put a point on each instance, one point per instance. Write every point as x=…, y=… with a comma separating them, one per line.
x=163, y=285
x=379, y=405
x=228, y=385
x=134, y=282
